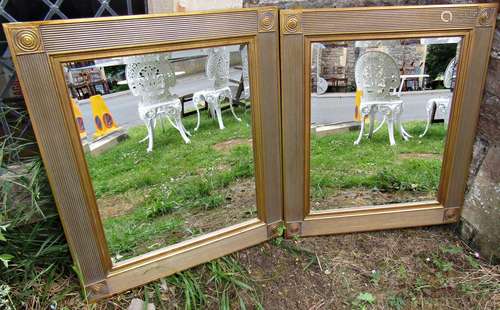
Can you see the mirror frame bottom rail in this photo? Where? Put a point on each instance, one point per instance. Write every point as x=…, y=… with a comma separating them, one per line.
x=181, y=256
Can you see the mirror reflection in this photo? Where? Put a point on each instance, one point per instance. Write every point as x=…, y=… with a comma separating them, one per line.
x=168, y=143
x=379, y=118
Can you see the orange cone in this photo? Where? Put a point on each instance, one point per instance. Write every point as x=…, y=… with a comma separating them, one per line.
x=79, y=119
x=103, y=121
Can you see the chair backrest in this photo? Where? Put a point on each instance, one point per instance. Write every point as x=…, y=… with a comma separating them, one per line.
x=150, y=76
x=449, y=73
x=217, y=67
x=376, y=74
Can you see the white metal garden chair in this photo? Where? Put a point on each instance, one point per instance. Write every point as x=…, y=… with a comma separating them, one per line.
x=441, y=104
x=245, y=72
x=321, y=83
x=150, y=78
x=217, y=70
x=377, y=75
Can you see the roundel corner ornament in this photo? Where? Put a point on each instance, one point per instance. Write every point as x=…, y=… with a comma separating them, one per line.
x=447, y=16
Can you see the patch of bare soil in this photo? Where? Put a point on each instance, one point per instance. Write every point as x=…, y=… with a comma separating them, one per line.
x=365, y=197
x=420, y=156
x=227, y=146
x=240, y=205
x=117, y=205
x=424, y=268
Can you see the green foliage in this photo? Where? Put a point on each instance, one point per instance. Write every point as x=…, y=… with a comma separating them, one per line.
x=438, y=57
x=396, y=302
x=442, y=264
x=337, y=164
x=223, y=279
x=189, y=284
x=363, y=300
x=34, y=252
x=375, y=277
x=473, y=262
x=454, y=250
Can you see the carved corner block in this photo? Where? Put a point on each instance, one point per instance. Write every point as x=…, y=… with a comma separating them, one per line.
x=485, y=17
x=451, y=215
x=267, y=20
x=273, y=230
x=26, y=40
x=291, y=22
x=293, y=229
x=97, y=290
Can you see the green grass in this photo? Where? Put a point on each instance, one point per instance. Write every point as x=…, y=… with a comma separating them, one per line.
x=337, y=164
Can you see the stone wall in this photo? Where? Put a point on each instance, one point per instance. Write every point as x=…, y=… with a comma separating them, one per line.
x=480, y=223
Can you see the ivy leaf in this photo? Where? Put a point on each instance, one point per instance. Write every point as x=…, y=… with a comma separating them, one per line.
x=5, y=259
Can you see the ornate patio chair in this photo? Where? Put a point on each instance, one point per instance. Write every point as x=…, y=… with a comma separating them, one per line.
x=217, y=70
x=321, y=83
x=377, y=75
x=441, y=104
x=245, y=72
x=150, y=78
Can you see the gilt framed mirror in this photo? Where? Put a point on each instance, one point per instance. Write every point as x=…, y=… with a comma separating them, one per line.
x=380, y=108
x=160, y=135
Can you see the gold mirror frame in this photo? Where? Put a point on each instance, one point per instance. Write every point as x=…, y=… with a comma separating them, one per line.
x=475, y=23
x=39, y=49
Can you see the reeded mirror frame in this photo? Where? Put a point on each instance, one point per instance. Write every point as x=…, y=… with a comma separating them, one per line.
x=475, y=23
x=39, y=49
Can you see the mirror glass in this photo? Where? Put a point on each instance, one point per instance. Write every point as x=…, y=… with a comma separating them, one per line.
x=379, y=116
x=168, y=143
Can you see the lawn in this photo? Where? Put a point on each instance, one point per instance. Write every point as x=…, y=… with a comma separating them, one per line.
x=344, y=174
x=178, y=191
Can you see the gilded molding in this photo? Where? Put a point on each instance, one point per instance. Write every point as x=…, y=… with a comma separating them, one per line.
x=485, y=17
x=293, y=229
x=273, y=230
x=98, y=289
x=451, y=215
x=27, y=40
x=291, y=22
x=267, y=20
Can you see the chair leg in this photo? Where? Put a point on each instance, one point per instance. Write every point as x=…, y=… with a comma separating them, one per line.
x=232, y=109
x=186, y=131
x=181, y=129
x=218, y=114
x=446, y=109
x=372, y=123
x=150, y=125
x=430, y=107
x=196, y=101
x=390, y=127
x=402, y=131
x=380, y=125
